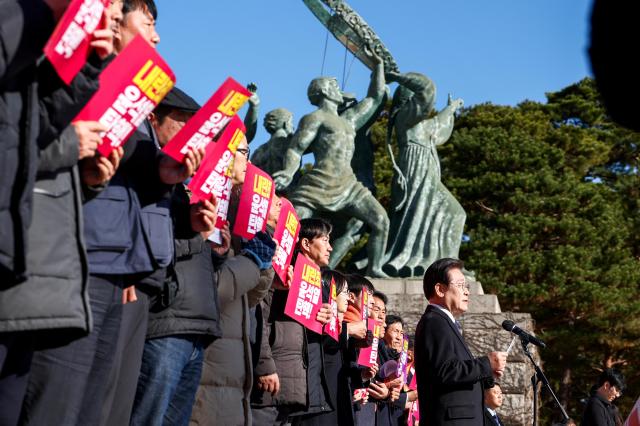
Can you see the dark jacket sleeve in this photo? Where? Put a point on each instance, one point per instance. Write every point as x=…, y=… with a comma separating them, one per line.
x=62, y=153
x=25, y=27
x=266, y=365
x=449, y=370
x=595, y=414
x=236, y=277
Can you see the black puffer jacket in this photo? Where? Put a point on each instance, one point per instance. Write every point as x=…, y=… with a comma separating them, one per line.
x=25, y=26
x=189, y=300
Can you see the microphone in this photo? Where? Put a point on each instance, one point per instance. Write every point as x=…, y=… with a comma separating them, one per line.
x=512, y=327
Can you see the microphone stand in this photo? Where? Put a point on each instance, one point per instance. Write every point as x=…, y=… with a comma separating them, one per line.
x=537, y=378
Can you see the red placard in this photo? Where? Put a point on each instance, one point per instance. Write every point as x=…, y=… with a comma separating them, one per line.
x=209, y=120
x=68, y=47
x=332, y=328
x=286, y=234
x=634, y=417
x=402, y=360
x=223, y=209
x=369, y=356
x=414, y=414
x=255, y=202
x=214, y=172
x=413, y=384
x=364, y=304
x=130, y=88
x=305, y=294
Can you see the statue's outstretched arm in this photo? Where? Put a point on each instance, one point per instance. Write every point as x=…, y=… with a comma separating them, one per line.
x=360, y=114
x=251, y=119
x=300, y=141
x=443, y=122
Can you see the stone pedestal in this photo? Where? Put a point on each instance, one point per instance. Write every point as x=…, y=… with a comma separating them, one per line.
x=483, y=332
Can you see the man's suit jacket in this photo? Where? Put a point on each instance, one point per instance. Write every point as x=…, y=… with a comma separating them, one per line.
x=488, y=419
x=449, y=377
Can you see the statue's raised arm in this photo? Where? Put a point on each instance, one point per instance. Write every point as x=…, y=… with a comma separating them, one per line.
x=414, y=99
x=360, y=114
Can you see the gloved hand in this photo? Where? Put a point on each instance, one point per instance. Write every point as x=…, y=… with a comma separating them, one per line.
x=260, y=249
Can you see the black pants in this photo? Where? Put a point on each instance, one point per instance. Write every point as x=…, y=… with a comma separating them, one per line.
x=61, y=377
x=120, y=389
x=16, y=351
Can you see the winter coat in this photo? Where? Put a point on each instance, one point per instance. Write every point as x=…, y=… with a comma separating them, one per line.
x=188, y=303
x=25, y=27
x=55, y=294
x=599, y=412
x=298, y=358
x=225, y=385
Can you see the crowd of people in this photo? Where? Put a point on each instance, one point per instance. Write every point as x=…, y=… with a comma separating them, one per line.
x=116, y=308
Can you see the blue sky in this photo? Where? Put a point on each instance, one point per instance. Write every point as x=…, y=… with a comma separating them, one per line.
x=499, y=51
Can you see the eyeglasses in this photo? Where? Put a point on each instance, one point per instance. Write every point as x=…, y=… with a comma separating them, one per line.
x=244, y=151
x=460, y=286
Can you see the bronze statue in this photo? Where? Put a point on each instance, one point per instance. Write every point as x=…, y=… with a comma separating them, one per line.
x=428, y=221
x=269, y=156
x=331, y=185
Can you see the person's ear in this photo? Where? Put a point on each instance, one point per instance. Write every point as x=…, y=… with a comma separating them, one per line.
x=440, y=289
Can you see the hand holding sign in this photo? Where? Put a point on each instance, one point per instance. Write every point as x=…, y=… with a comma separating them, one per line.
x=98, y=169
x=203, y=216
x=172, y=171
x=88, y=134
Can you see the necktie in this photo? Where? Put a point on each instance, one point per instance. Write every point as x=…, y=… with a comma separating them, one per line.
x=496, y=420
x=459, y=327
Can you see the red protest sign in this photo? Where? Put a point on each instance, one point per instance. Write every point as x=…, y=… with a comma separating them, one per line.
x=369, y=356
x=209, y=120
x=130, y=88
x=286, y=234
x=68, y=47
x=223, y=210
x=215, y=170
x=255, y=202
x=332, y=328
x=364, y=304
x=402, y=360
x=304, y=299
x=634, y=417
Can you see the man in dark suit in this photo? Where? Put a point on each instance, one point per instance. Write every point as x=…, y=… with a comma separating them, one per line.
x=492, y=401
x=449, y=376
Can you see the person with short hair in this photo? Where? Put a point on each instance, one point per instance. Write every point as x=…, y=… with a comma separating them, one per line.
x=296, y=353
x=600, y=410
x=492, y=401
x=449, y=376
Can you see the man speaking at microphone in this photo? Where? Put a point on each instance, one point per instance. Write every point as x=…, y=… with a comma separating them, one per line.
x=449, y=376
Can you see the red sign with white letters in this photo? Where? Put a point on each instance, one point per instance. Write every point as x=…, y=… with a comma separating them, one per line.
x=286, y=234
x=255, y=202
x=130, y=88
x=332, y=328
x=215, y=169
x=203, y=127
x=368, y=356
x=305, y=294
x=69, y=46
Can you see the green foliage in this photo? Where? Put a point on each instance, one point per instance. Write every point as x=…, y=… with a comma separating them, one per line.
x=551, y=195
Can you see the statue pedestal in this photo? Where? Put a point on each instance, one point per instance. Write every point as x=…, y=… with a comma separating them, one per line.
x=483, y=332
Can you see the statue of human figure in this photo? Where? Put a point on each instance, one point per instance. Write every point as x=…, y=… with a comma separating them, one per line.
x=331, y=185
x=270, y=155
x=428, y=221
